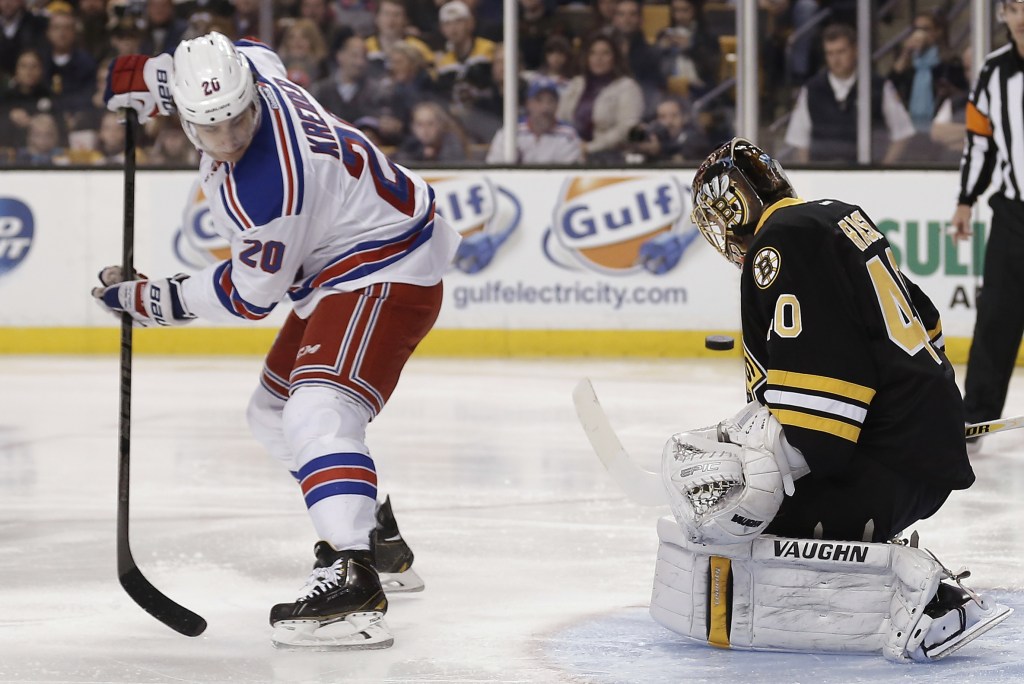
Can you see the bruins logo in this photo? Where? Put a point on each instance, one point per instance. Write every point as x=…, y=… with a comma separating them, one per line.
x=720, y=199
x=765, y=267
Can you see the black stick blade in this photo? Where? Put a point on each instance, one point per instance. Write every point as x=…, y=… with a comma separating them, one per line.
x=177, y=617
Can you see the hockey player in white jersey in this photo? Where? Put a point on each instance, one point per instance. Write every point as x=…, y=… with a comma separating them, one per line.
x=315, y=213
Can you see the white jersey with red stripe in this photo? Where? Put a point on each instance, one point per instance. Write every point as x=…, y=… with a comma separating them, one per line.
x=312, y=208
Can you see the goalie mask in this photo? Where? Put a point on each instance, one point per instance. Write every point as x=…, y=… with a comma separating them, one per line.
x=215, y=94
x=731, y=191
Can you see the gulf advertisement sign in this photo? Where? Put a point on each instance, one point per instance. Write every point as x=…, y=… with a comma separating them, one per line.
x=486, y=215
x=620, y=225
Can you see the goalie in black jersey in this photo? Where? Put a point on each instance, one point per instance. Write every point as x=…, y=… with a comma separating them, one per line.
x=842, y=347
x=854, y=431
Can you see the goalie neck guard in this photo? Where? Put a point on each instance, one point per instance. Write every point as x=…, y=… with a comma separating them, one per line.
x=731, y=190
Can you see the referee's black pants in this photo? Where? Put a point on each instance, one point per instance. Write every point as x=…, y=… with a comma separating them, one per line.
x=1000, y=314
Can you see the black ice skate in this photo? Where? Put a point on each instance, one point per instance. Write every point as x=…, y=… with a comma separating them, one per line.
x=954, y=618
x=341, y=607
x=392, y=555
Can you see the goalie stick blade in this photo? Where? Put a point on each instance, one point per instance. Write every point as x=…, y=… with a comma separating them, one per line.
x=640, y=485
x=177, y=617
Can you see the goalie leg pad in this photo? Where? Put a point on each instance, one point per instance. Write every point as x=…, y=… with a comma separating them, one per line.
x=798, y=595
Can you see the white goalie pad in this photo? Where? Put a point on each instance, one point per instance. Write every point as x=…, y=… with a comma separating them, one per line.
x=799, y=595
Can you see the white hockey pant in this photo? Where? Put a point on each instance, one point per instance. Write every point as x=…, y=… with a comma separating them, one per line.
x=798, y=595
x=319, y=434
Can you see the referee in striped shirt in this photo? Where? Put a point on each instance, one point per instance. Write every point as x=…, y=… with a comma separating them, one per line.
x=995, y=145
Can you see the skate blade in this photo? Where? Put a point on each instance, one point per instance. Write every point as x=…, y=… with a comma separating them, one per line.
x=1001, y=613
x=356, y=632
x=401, y=582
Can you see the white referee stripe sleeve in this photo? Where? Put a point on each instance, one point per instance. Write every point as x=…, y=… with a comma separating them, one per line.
x=1014, y=96
x=810, y=401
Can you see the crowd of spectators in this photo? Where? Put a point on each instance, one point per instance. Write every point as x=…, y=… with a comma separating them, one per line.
x=598, y=84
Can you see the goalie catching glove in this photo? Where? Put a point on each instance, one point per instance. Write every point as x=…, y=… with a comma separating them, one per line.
x=141, y=83
x=726, y=483
x=148, y=302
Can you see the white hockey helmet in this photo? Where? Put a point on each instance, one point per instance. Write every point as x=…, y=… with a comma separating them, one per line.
x=212, y=82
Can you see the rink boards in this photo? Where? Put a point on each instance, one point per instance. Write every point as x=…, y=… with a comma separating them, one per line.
x=554, y=263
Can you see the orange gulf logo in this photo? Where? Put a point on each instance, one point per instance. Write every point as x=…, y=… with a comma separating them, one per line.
x=196, y=243
x=603, y=222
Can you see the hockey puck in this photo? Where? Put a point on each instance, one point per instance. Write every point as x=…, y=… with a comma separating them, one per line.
x=719, y=342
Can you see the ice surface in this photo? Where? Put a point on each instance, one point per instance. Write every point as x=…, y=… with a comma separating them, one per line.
x=537, y=568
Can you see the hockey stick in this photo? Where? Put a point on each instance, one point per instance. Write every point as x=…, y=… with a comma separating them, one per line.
x=993, y=426
x=645, y=487
x=642, y=486
x=149, y=598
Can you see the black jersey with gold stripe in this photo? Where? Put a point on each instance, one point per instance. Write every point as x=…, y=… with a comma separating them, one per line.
x=845, y=351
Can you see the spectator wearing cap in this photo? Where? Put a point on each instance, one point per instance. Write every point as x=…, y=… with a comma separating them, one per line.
x=540, y=137
x=349, y=93
x=163, y=29
x=392, y=22
x=464, y=68
x=20, y=30
x=602, y=103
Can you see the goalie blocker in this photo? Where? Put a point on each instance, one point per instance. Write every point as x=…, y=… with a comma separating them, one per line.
x=815, y=596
